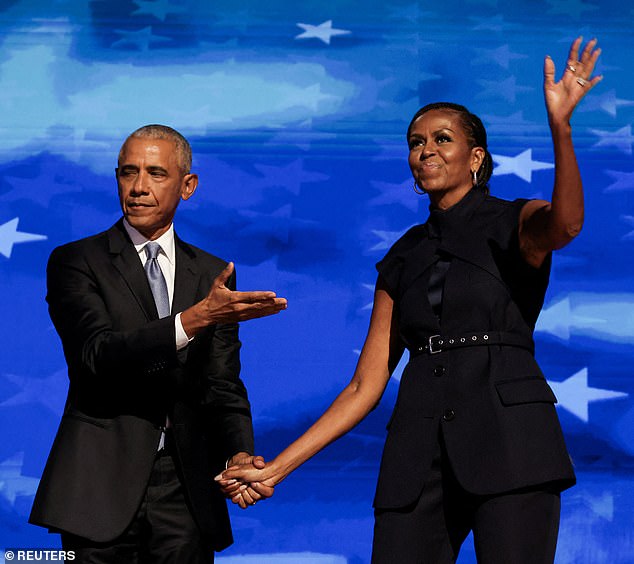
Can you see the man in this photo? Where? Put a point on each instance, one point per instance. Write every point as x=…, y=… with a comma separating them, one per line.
x=155, y=404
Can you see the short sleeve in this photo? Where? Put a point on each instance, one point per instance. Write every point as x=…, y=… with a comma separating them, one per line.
x=390, y=267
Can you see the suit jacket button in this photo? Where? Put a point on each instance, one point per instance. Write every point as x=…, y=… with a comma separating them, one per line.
x=439, y=370
x=448, y=415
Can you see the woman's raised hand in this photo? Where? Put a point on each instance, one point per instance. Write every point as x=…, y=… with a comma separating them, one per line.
x=562, y=97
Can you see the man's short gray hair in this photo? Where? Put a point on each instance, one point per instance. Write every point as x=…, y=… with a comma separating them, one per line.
x=157, y=131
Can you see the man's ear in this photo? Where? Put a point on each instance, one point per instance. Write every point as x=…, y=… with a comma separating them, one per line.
x=190, y=183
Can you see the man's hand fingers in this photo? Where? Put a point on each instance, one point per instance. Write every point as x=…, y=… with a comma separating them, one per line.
x=255, y=296
x=244, y=312
x=247, y=497
x=239, y=501
x=222, y=278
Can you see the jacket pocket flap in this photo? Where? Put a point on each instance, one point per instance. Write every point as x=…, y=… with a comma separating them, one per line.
x=527, y=390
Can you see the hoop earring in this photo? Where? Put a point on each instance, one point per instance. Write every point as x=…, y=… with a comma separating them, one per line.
x=418, y=189
x=475, y=177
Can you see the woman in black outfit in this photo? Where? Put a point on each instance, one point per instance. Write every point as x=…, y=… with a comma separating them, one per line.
x=474, y=442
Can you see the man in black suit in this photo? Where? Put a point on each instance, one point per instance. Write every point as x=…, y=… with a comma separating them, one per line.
x=155, y=404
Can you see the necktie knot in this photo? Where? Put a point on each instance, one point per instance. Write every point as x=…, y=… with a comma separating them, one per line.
x=152, y=250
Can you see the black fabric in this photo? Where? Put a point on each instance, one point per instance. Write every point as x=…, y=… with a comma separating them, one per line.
x=436, y=283
x=163, y=530
x=125, y=375
x=494, y=445
x=518, y=527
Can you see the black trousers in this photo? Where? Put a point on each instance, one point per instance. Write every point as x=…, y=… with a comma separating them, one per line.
x=518, y=527
x=162, y=532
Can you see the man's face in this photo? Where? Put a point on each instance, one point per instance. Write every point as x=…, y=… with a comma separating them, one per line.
x=151, y=184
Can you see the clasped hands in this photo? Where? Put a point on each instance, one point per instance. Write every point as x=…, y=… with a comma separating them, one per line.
x=244, y=481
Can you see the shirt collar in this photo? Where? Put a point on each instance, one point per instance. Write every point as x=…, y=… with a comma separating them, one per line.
x=139, y=241
x=455, y=216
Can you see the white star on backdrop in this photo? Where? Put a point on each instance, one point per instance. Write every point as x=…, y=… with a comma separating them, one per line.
x=12, y=483
x=601, y=505
x=291, y=176
x=140, y=39
x=412, y=12
x=9, y=236
x=395, y=194
x=388, y=238
x=501, y=55
x=506, y=89
x=324, y=31
x=575, y=395
x=157, y=8
x=49, y=392
x=620, y=139
x=509, y=125
x=310, y=97
x=49, y=182
x=570, y=8
x=369, y=305
x=521, y=165
x=623, y=181
x=491, y=23
x=628, y=219
x=276, y=225
x=597, y=315
x=607, y=102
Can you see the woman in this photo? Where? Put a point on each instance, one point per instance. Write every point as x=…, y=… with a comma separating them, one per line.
x=474, y=442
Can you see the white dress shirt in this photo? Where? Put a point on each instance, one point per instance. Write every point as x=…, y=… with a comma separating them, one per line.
x=167, y=262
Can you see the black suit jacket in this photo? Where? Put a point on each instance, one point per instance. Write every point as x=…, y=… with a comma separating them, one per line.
x=125, y=377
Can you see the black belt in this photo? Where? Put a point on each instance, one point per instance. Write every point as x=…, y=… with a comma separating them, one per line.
x=439, y=343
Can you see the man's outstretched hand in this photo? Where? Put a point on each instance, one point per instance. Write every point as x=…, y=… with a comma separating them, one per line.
x=222, y=305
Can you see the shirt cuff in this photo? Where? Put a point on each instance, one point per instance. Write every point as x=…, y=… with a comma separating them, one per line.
x=182, y=340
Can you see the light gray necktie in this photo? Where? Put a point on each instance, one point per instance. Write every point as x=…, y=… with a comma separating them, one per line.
x=156, y=279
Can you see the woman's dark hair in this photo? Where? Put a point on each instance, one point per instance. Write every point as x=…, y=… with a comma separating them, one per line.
x=473, y=129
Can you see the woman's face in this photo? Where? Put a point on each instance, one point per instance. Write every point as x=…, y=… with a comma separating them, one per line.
x=441, y=158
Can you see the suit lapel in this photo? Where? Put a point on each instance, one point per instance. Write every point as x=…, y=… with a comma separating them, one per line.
x=187, y=277
x=126, y=260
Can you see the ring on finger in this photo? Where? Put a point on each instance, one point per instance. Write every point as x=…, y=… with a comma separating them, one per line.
x=571, y=68
x=581, y=81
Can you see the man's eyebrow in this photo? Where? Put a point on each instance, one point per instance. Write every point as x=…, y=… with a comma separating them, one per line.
x=156, y=168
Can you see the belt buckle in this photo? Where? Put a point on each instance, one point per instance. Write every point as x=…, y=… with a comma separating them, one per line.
x=431, y=344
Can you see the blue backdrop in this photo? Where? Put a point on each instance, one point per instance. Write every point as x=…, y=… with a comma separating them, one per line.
x=297, y=114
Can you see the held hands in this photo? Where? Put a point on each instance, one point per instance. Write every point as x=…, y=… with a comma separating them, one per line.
x=222, y=305
x=244, y=481
x=562, y=97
